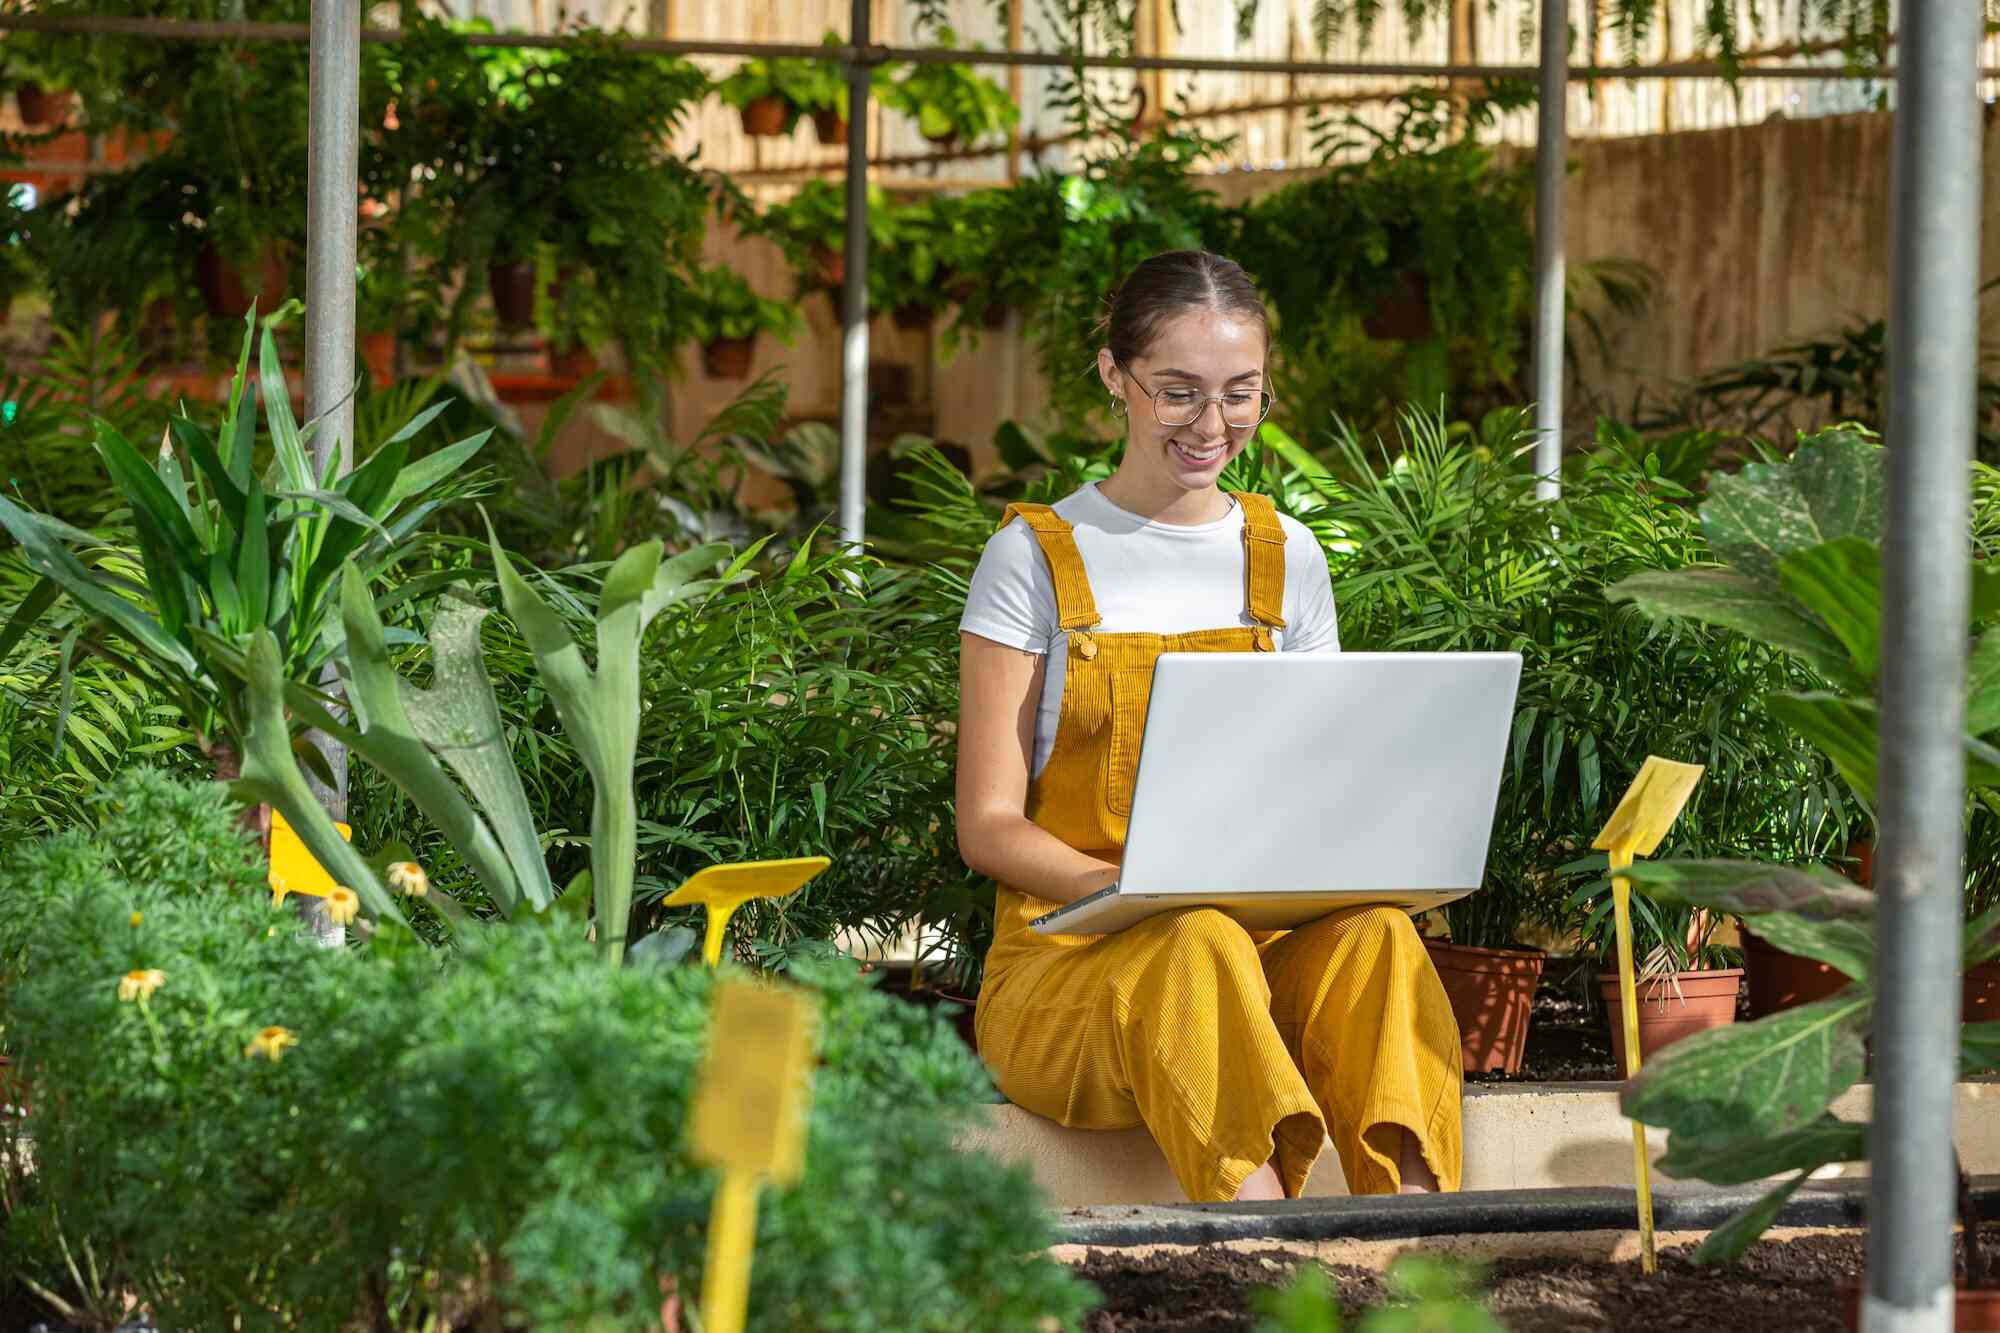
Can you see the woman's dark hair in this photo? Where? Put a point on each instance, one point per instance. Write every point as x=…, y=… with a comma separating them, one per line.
x=1176, y=283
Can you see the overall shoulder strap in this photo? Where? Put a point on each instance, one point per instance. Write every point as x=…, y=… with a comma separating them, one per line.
x=1263, y=559
x=1075, y=607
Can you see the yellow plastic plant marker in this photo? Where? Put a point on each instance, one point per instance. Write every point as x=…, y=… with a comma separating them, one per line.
x=1650, y=806
x=293, y=868
x=722, y=889
x=749, y=1120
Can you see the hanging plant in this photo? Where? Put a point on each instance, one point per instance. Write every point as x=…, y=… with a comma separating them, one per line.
x=773, y=94
x=950, y=103
x=725, y=315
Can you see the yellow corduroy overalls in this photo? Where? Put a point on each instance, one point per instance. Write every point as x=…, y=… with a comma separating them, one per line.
x=1230, y=1047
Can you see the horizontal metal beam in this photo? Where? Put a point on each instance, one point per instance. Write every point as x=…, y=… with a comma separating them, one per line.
x=209, y=30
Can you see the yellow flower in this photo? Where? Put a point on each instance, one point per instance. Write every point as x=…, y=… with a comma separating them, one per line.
x=140, y=985
x=270, y=1043
x=341, y=905
x=137, y=918
x=408, y=877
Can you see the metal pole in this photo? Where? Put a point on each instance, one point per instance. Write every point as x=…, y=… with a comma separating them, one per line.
x=1933, y=345
x=854, y=299
x=333, y=90
x=1551, y=157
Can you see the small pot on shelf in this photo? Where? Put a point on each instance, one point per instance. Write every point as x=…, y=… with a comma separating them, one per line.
x=728, y=358
x=378, y=353
x=1671, y=1006
x=1404, y=312
x=912, y=318
x=1492, y=993
x=575, y=362
x=224, y=289
x=43, y=106
x=831, y=127
x=512, y=285
x=829, y=266
x=765, y=117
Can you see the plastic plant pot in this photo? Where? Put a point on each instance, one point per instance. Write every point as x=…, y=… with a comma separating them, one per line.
x=224, y=291
x=829, y=266
x=43, y=106
x=1492, y=993
x=911, y=318
x=831, y=128
x=1404, y=314
x=1672, y=1006
x=378, y=353
x=1778, y=980
x=728, y=358
x=764, y=117
x=512, y=285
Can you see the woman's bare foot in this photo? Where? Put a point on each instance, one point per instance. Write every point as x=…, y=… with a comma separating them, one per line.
x=1415, y=1172
x=1263, y=1183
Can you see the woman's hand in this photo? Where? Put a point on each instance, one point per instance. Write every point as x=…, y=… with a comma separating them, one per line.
x=999, y=689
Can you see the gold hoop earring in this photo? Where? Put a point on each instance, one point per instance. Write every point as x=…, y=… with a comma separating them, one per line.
x=1119, y=406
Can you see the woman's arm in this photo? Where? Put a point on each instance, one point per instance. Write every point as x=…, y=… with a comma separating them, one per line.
x=998, y=691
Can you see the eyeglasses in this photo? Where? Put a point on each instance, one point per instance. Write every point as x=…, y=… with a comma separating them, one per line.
x=1177, y=405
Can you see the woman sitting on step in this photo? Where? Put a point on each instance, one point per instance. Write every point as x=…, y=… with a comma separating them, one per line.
x=1238, y=1051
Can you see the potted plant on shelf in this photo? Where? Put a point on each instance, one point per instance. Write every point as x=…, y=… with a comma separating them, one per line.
x=950, y=103
x=992, y=254
x=905, y=277
x=811, y=228
x=1488, y=973
x=725, y=316
x=381, y=293
x=773, y=94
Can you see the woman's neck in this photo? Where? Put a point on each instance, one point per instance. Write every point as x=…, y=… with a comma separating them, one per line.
x=1163, y=503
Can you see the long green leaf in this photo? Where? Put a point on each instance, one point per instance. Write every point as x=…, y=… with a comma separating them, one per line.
x=227, y=492
x=1846, y=946
x=415, y=425
x=1733, y=601
x=1779, y=1073
x=293, y=464
x=1727, y=1242
x=427, y=472
x=1754, y=889
x=1841, y=583
x=36, y=604
x=253, y=565
x=1982, y=685
x=1979, y=1047
x=147, y=494
x=65, y=694
x=1756, y=1156
x=1314, y=471
x=52, y=560
x=335, y=503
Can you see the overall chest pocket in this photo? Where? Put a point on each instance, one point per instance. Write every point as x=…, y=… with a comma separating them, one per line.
x=1131, y=688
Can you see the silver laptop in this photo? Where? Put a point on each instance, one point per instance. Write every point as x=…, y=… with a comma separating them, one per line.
x=1279, y=787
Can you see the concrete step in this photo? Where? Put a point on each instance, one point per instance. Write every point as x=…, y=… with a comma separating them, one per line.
x=1517, y=1136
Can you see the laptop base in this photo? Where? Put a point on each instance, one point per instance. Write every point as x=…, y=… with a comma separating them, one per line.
x=1108, y=911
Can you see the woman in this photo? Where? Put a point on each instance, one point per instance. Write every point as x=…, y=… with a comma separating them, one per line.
x=1237, y=1051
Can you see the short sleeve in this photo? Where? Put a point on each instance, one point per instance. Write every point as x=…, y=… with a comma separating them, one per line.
x=1310, y=622
x=1012, y=599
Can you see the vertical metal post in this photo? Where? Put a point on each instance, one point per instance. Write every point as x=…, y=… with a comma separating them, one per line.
x=854, y=299
x=1933, y=343
x=333, y=83
x=1551, y=157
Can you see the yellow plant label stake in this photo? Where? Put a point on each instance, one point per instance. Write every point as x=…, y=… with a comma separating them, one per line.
x=723, y=889
x=749, y=1121
x=1650, y=806
x=293, y=868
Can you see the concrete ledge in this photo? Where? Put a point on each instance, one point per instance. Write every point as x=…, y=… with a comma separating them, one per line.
x=1519, y=1136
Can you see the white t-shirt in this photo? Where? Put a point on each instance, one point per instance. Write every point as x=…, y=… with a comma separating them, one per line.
x=1146, y=578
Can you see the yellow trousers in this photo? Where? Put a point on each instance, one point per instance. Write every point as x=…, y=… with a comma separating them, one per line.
x=1234, y=1054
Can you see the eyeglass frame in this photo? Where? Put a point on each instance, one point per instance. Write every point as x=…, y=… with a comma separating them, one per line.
x=1153, y=397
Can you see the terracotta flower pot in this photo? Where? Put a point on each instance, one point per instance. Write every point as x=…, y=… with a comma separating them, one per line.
x=728, y=358
x=1404, y=313
x=1705, y=1000
x=889, y=383
x=911, y=318
x=378, y=353
x=829, y=266
x=512, y=284
x=1779, y=980
x=1972, y=1308
x=764, y=117
x=831, y=128
x=944, y=141
x=1979, y=1000
x=43, y=106
x=1492, y=994
x=224, y=291
x=576, y=362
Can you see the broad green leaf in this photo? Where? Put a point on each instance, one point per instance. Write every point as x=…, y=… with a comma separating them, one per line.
x=227, y=492
x=1778, y=1074
x=425, y=473
x=222, y=591
x=1985, y=601
x=1756, y=1157
x=52, y=560
x=240, y=428
x=1727, y=1242
x=335, y=503
x=674, y=582
x=1846, y=946
x=1832, y=488
x=1733, y=601
x=1841, y=728
x=1754, y=889
x=1841, y=583
x=1274, y=438
x=289, y=447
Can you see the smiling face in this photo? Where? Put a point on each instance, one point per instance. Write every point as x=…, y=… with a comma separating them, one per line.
x=1203, y=352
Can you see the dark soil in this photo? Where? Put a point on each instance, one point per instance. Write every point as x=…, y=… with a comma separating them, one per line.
x=1789, y=1286
x=1568, y=1041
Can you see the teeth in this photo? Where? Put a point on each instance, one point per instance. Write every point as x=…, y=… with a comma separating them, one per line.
x=1198, y=455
